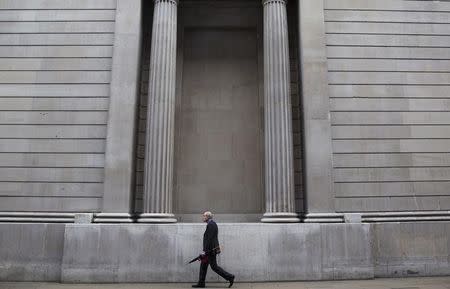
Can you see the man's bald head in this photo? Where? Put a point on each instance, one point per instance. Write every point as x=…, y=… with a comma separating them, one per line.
x=207, y=216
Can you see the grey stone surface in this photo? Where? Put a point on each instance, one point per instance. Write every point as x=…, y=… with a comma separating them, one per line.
x=394, y=77
x=62, y=131
x=36, y=217
x=58, y=15
x=396, y=131
x=411, y=249
x=392, y=174
x=53, y=117
x=388, y=103
x=55, y=51
x=412, y=203
x=406, y=216
x=58, y=4
x=388, y=91
x=100, y=103
x=346, y=251
x=400, y=28
x=51, y=174
x=255, y=252
x=389, y=40
x=60, y=160
x=51, y=189
x=50, y=204
x=120, y=153
x=395, y=5
x=393, y=145
x=55, y=74
x=316, y=112
x=219, y=137
x=31, y=252
x=83, y=218
x=392, y=189
x=352, y=218
x=390, y=118
x=387, y=16
x=57, y=39
x=405, y=65
x=52, y=90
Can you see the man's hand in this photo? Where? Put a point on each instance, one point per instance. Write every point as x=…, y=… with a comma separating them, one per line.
x=203, y=257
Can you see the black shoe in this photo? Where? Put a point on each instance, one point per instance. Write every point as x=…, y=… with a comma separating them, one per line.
x=231, y=281
x=198, y=286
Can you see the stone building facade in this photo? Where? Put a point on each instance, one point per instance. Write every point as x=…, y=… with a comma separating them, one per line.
x=317, y=131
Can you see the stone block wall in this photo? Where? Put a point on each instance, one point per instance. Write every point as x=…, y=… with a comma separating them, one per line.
x=389, y=87
x=55, y=62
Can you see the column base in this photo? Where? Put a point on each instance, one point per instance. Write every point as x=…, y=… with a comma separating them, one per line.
x=414, y=216
x=114, y=218
x=36, y=217
x=156, y=218
x=323, y=218
x=280, y=218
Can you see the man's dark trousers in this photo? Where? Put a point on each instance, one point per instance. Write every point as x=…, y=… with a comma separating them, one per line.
x=212, y=261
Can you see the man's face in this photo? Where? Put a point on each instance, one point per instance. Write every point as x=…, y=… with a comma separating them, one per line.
x=205, y=218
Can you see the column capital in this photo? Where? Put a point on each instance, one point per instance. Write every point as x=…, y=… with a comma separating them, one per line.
x=264, y=2
x=168, y=1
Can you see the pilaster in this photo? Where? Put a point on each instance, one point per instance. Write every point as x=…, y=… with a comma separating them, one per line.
x=319, y=186
x=120, y=154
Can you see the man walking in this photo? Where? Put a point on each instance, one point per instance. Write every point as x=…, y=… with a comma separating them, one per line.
x=210, y=250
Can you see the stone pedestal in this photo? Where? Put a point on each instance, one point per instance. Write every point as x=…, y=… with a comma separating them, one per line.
x=153, y=253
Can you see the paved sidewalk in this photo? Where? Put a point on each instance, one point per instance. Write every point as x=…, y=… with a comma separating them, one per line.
x=398, y=283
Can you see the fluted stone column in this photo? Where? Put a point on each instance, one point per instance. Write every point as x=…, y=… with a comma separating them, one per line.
x=159, y=150
x=279, y=157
